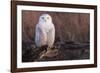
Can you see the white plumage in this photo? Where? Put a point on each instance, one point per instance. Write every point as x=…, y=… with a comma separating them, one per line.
x=45, y=31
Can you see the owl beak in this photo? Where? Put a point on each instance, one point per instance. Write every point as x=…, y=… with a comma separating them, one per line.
x=45, y=20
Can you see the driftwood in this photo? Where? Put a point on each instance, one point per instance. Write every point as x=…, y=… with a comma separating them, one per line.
x=66, y=51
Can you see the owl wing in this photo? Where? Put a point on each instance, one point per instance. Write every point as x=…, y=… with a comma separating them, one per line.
x=41, y=36
x=51, y=36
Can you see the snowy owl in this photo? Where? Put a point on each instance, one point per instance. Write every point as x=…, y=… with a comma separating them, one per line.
x=45, y=31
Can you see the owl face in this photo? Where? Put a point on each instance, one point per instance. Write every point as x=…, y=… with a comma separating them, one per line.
x=45, y=18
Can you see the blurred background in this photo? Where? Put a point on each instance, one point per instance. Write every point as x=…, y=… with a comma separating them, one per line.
x=69, y=26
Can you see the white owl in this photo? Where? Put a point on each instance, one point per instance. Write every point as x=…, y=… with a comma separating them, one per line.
x=45, y=31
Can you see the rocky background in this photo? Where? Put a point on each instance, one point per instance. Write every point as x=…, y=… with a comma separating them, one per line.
x=71, y=40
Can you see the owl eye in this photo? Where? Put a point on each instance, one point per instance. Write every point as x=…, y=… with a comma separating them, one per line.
x=47, y=17
x=42, y=17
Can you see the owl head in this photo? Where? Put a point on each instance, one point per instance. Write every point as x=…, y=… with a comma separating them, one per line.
x=45, y=18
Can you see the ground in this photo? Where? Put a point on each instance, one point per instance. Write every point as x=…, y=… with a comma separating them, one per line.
x=64, y=51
